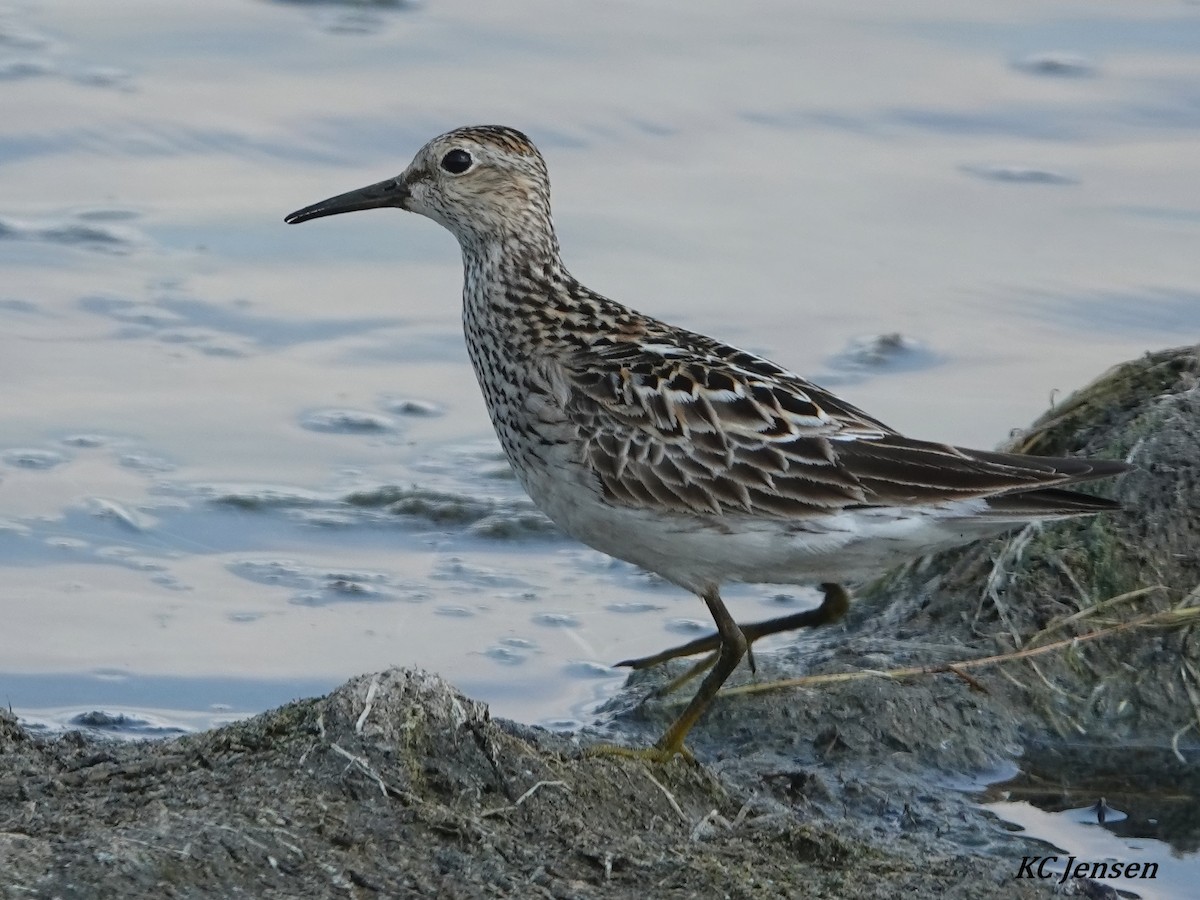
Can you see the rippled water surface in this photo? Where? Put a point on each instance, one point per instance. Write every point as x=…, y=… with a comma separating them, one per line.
x=241, y=461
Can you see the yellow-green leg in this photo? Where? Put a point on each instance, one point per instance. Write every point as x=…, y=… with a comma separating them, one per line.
x=732, y=646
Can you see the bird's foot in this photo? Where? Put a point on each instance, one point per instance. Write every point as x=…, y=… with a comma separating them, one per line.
x=832, y=609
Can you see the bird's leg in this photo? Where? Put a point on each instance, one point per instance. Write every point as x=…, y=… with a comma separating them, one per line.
x=832, y=609
x=732, y=647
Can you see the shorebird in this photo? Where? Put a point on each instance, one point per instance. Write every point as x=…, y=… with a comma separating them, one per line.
x=679, y=453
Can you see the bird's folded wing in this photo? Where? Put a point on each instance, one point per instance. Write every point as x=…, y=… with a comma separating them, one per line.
x=716, y=431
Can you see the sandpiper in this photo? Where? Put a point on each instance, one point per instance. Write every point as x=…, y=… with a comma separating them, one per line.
x=674, y=451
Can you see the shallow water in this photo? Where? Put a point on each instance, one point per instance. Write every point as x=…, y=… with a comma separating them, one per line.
x=1101, y=804
x=1008, y=195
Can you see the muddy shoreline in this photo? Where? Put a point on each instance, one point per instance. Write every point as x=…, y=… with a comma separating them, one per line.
x=395, y=785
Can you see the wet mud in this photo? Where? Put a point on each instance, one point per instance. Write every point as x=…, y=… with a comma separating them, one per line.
x=396, y=785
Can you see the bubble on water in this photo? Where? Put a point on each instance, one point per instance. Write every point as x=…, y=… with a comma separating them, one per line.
x=25, y=307
x=410, y=406
x=508, y=656
x=347, y=421
x=1099, y=813
x=869, y=354
x=354, y=17
x=454, y=568
x=106, y=214
x=381, y=5
x=333, y=518
x=316, y=586
x=1014, y=174
x=33, y=458
x=555, y=620
x=501, y=519
x=519, y=643
x=258, y=496
x=104, y=76
x=122, y=309
x=1059, y=64
x=521, y=597
x=113, y=239
x=586, y=668
x=358, y=22
x=184, y=335
x=169, y=581
x=342, y=590
x=224, y=348
x=509, y=526
x=16, y=69
x=145, y=462
x=130, y=558
x=67, y=543
x=783, y=600
x=634, y=606
x=688, y=626
x=85, y=441
x=103, y=508
x=498, y=473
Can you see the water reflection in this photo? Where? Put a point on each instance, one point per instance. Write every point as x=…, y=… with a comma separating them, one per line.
x=1139, y=792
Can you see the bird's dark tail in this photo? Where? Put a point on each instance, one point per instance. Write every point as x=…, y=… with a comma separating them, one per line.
x=1048, y=503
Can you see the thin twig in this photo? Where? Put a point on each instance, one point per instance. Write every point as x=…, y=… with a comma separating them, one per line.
x=1175, y=741
x=1085, y=602
x=307, y=750
x=525, y=796
x=991, y=588
x=1058, y=624
x=541, y=784
x=972, y=682
x=362, y=717
x=1194, y=696
x=741, y=816
x=1050, y=685
x=365, y=767
x=1166, y=618
x=670, y=797
x=127, y=838
x=257, y=845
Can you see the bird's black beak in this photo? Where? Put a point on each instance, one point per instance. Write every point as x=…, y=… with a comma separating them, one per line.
x=393, y=192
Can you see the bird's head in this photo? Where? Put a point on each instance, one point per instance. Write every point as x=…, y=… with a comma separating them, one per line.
x=483, y=182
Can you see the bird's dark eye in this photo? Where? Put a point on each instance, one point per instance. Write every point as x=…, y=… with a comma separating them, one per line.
x=457, y=161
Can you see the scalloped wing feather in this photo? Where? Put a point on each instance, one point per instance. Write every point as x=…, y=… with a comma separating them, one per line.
x=700, y=433
x=709, y=430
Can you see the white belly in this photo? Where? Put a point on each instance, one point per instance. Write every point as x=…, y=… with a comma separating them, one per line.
x=698, y=553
